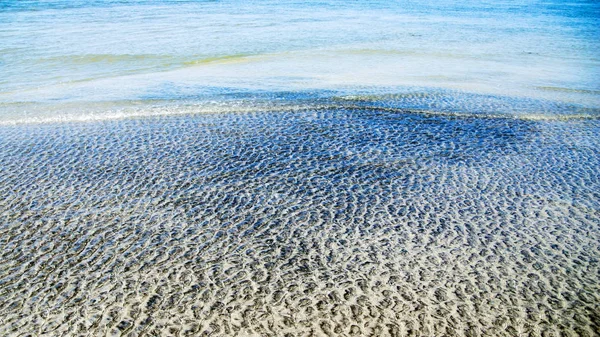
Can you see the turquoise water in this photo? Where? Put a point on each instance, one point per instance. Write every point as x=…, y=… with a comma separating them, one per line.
x=54, y=53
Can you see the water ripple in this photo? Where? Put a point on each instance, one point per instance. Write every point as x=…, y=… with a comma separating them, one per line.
x=333, y=221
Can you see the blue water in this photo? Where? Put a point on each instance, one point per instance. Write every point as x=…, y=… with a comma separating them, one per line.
x=262, y=168
x=54, y=53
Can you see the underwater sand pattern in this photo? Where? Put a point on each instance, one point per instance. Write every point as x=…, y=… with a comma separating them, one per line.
x=331, y=222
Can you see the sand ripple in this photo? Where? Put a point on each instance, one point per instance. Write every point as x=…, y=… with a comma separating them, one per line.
x=334, y=222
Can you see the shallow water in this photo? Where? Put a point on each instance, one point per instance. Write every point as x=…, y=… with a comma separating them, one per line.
x=299, y=169
x=305, y=221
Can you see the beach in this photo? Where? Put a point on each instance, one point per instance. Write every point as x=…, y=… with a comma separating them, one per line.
x=204, y=169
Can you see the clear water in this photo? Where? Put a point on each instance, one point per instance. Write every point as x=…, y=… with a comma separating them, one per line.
x=296, y=222
x=258, y=168
x=61, y=52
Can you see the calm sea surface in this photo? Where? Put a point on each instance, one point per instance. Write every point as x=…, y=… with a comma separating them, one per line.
x=58, y=57
x=322, y=168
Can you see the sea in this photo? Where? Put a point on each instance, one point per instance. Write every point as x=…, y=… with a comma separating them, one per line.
x=75, y=60
x=299, y=168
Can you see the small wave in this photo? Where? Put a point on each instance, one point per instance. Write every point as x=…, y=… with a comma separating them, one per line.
x=570, y=90
x=461, y=105
x=219, y=59
x=529, y=116
x=166, y=61
x=413, y=53
x=107, y=111
x=105, y=58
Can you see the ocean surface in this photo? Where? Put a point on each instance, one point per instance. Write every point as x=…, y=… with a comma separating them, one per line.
x=63, y=60
x=299, y=168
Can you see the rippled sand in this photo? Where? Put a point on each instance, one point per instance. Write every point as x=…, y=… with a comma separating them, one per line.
x=321, y=222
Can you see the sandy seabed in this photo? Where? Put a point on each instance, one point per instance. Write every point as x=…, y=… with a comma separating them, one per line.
x=315, y=222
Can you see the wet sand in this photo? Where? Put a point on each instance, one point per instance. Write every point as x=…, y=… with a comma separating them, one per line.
x=315, y=222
